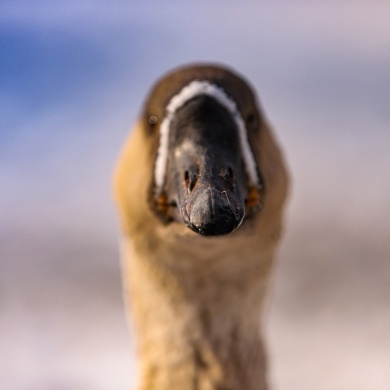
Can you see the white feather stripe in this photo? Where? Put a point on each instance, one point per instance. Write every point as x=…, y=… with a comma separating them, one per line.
x=193, y=89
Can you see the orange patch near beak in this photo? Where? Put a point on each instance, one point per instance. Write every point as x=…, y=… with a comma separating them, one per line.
x=253, y=200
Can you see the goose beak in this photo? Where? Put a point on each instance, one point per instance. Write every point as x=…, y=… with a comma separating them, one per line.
x=209, y=191
x=211, y=204
x=205, y=176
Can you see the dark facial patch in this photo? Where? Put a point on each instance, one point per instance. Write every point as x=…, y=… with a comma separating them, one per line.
x=206, y=175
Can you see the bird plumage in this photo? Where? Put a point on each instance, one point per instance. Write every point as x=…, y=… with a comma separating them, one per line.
x=195, y=300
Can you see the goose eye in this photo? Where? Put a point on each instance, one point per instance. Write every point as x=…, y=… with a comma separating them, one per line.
x=153, y=120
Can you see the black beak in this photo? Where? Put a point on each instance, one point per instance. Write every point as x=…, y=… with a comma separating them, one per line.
x=205, y=176
x=211, y=203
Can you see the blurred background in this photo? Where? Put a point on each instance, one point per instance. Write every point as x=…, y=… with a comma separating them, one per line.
x=73, y=76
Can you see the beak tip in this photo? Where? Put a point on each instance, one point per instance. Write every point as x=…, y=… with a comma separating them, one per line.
x=212, y=217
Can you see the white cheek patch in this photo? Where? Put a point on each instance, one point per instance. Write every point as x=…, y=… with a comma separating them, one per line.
x=193, y=89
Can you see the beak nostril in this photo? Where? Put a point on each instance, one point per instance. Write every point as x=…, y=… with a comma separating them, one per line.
x=190, y=180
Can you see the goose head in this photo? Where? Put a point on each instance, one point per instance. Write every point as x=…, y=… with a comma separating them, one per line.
x=205, y=173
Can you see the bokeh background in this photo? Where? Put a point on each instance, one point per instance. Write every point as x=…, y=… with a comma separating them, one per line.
x=73, y=76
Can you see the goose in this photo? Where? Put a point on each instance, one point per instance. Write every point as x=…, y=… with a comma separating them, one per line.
x=200, y=187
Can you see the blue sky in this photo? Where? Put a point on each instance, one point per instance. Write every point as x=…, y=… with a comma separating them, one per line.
x=73, y=77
